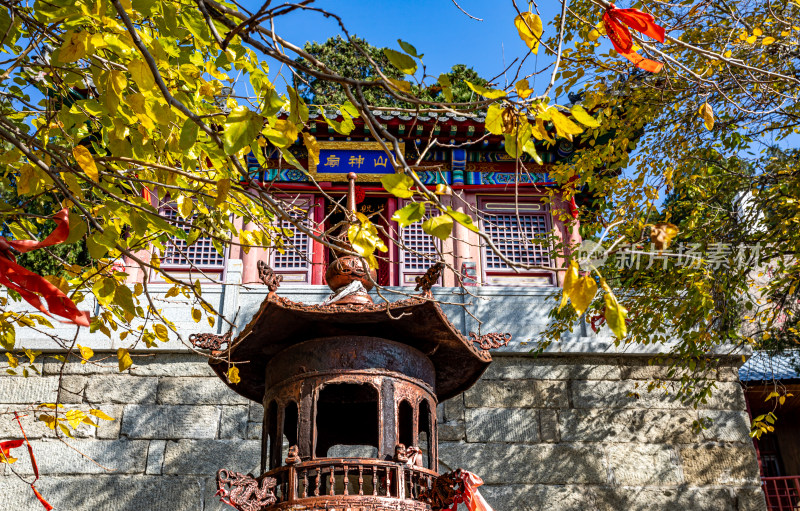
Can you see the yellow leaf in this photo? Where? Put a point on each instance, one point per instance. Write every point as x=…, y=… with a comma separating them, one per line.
x=100, y=415
x=579, y=290
x=707, y=113
x=583, y=117
x=161, y=332
x=398, y=185
x=124, y=359
x=365, y=239
x=583, y=293
x=443, y=189
x=60, y=282
x=757, y=31
x=767, y=41
x=401, y=85
x=12, y=360
x=483, y=91
x=661, y=234
x=440, y=226
x=86, y=162
x=185, y=206
x=530, y=29
x=752, y=39
x=771, y=395
x=74, y=47
x=197, y=315
x=564, y=127
x=523, y=88
x=223, y=187
x=615, y=313
x=312, y=146
x=140, y=72
x=782, y=399
x=233, y=375
x=570, y=278
x=593, y=35
x=401, y=61
x=86, y=353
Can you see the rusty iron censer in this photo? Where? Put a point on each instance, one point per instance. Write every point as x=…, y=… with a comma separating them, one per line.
x=350, y=390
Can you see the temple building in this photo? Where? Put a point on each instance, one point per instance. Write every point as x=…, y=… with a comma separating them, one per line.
x=570, y=428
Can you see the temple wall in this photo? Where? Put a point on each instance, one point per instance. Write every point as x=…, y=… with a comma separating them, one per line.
x=558, y=432
x=574, y=428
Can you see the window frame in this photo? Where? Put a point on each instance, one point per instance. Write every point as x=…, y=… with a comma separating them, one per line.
x=190, y=266
x=401, y=253
x=523, y=278
x=309, y=203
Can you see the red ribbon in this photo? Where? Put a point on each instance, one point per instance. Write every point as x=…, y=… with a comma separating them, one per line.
x=617, y=21
x=6, y=446
x=470, y=495
x=30, y=285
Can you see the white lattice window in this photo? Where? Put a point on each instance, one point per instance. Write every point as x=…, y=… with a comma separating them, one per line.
x=514, y=234
x=412, y=259
x=200, y=254
x=295, y=261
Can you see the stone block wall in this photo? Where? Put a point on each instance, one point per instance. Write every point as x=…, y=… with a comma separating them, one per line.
x=558, y=432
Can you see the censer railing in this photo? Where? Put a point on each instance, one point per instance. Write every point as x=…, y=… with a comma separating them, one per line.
x=342, y=477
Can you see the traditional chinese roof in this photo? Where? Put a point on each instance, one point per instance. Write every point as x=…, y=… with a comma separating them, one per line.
x=765, y=367
x=420, y=323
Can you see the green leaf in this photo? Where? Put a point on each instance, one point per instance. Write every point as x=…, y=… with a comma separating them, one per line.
x=401, y=61
x=398, y=185
x=409, y=214
x=440, y=226
x=583, y=117
x=188, y=135
x=241, y=127
x=463, y=219
x=409, y=48
x=483, y=91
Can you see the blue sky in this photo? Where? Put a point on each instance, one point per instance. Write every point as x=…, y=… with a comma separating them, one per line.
x=436, y=28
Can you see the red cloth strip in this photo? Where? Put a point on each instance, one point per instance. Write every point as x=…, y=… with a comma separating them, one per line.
x=30, y=285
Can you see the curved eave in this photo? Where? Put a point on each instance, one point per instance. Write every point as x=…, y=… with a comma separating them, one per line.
x=420, y=323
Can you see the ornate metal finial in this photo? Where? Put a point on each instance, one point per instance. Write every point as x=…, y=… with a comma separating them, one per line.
x=210, y=341
x=351, y=196
x=268, y=276
x=431, y=277
x=293, y=456
x=490, y=341
x=244, y=493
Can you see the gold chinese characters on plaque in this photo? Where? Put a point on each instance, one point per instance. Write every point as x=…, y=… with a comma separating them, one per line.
x=337, y=159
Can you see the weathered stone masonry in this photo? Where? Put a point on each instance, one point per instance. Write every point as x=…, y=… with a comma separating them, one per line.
x=557, y=432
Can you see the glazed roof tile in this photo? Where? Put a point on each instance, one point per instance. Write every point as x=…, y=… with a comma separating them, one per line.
x=764, y=367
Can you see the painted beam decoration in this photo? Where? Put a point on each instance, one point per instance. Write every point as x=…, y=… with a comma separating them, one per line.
x=337, y=159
